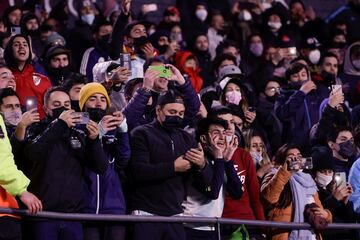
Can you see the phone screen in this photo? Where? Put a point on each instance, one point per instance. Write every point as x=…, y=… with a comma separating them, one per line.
x=31, y=103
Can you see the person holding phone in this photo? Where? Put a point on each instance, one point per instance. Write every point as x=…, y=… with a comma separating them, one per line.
x=297, y=106
x=141, y=107
x=113, y=134
x=59, y=155
x=334, y=192
x=18, y=58
x=286, y=192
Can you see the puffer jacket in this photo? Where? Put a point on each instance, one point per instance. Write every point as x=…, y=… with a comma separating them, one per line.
x=271, y=190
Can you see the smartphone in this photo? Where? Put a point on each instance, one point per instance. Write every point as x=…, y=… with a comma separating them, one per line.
x=295, y=164
x=125, y=60
x=84, y=117
x=292, y=51
x=340, y=178
x=336, y=87
x=31, y=103
x=307, y=163
x=165, y=72
x=15, y=30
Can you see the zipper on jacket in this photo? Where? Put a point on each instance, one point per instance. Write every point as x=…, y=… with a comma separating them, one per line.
x=172, y=146
x=97, y=193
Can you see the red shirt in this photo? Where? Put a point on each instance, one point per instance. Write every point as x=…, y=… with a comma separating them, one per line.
x=248, y=206
x=29, y=83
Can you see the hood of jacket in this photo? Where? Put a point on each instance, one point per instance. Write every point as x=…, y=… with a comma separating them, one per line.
x=348, y=66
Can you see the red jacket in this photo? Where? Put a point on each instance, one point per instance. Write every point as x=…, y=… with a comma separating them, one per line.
x=194, y=77
x=29, y=83
x=248, y=206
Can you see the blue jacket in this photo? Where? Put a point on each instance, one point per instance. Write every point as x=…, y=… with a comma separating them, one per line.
x=91, y=57
x=104, y=193
x=298, y=113
x=138, y=113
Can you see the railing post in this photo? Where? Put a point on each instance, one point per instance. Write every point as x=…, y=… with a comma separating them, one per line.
x=218, y=228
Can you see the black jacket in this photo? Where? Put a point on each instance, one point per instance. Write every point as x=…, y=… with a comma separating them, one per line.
x=157, y=188
x=57, y=167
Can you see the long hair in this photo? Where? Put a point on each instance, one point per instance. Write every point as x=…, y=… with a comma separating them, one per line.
x=249, y=135
x=9, y=55
x=279, y=159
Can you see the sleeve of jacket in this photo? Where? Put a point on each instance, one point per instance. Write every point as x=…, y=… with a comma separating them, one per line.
x=11, y=179
x=233, y=185
x=95, y=156
x=18, y=151
x=355, y=184
x=135, y=109
x=38, y=148
x=273, y=185
x=210, y=180
x=121, y=150
x=191, y=101
x=253, y=189
x=286, y=108
x=117, y=35
x=318, y=202
x=142, y=170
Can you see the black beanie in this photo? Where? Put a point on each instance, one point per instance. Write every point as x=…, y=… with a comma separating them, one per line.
x=322, y=158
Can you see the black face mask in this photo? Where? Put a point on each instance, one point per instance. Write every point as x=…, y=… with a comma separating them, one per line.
x=162, y=49
x=329, y=78
x=296, y=85
x=96, y=114
x=58, y=75
x=172, y=122
x=140, y=41
x=273, y=98
x=56, y=112
x=33, y=33
x=103, y=42
x=75, y=105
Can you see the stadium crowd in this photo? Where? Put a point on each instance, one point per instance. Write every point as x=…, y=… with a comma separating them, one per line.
x=248, y=110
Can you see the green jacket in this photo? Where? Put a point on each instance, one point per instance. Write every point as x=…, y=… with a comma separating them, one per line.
x=11, y=179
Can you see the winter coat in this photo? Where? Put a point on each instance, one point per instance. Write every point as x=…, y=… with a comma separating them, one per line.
x=193, y=74
x=104, y=192
x=271, y=192
x=12, y=181
x=157, y=188
x=298, y=113
x=59, y=156
x=29, y=83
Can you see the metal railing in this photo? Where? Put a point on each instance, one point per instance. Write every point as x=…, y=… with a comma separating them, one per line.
x=173, y=219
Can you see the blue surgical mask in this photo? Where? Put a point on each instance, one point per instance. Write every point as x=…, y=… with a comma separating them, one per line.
x=88, y=18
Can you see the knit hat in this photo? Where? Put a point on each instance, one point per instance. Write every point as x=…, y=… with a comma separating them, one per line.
x=90, y=89
x=322, y=158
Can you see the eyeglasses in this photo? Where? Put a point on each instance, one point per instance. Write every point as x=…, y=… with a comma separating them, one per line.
x=273, y=89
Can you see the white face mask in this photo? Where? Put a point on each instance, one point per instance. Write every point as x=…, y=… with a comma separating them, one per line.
x=356, y=64
x=256, y=156
x=233, y=97
x=322, y=179
x=245, y=15
x=88, y=18
x=314, y=56
x=275, y=25
x=12, y=118
x=201, y=14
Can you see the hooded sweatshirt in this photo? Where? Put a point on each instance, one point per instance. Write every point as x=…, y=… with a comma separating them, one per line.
x=194, y=77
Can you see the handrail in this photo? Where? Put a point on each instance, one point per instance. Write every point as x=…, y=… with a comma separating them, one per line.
x=173, y=219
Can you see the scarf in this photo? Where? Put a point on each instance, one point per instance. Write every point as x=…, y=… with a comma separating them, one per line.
x=302, y=187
